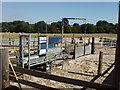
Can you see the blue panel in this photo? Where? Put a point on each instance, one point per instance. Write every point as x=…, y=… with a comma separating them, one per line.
x=43, y=46
x=52, y=41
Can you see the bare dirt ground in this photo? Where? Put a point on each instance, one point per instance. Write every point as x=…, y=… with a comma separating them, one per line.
x=83, y=68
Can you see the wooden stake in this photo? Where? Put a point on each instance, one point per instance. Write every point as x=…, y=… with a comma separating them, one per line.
x=74, y=57
x=15, y=74
x=93, y=46
x=100, y=63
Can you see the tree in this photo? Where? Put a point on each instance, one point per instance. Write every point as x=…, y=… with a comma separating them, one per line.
x=40, y=27
x=88, y=28
x=76, y=28
x=5, y=26
x=56, y=27
x=67, y=29
x=105, y=27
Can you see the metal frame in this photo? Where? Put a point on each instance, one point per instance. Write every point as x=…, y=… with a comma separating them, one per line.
x=36, y=59
x=22, y=44
x=83, y=19
x=47, y=40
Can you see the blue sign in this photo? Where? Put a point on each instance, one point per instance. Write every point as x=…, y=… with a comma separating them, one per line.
x=65, y=21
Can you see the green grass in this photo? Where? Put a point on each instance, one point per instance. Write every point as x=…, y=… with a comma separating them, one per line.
x=34, y=35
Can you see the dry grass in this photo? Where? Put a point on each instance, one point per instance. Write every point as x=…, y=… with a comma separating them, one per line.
x=16, y=35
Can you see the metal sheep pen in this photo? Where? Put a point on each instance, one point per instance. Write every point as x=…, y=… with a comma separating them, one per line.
x=45, y=54
x=76, y=49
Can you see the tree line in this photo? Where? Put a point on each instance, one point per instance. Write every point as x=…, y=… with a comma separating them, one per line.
x=101, y=26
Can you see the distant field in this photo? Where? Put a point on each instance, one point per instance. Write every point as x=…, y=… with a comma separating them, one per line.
x=16, y=35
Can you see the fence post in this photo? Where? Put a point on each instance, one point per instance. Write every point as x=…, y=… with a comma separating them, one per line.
x=93, y=45
x=4, y=70
x=73, y=39
x=100, y=63
x=74, y=51
x=84, y=49
x=9, y=41
x=89, y=41
x=116, y=74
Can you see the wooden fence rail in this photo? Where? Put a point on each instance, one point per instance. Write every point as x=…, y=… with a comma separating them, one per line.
x=33, y=84
x=62, y=79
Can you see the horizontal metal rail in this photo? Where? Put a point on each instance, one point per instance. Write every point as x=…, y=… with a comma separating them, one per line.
x=77, y=18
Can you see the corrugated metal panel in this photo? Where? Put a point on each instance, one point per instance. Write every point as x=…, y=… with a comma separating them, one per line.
x=79, y=51
x=88, y=49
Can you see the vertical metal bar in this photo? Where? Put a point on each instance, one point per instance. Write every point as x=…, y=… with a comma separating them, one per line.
x=21, y=45
x=47, y=45
x=29, y=51
x=116, y=74
x=84, y=38
x=47, y=42
x=21, y=48
x=38, y=41
x=62, y=35
x=38, y=44
x=62, y=39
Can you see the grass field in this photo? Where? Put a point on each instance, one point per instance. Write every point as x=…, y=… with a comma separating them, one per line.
x=16, y=35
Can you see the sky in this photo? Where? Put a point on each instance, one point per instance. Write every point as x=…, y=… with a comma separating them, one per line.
x=33, y=12
x=60, y=0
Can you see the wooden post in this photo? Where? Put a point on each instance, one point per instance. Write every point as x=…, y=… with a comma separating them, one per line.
x=73, y=39
x=84, y=49
x=116, y=74
x=100, y=63
x=4, y=70
x=74, y=51
x=13, y=43
x=9, y=41
x=62, y=65
x=89, y=41
x=93, y=45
